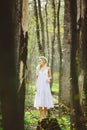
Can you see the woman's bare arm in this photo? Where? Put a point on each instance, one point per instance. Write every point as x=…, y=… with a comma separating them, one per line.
x=49, y=75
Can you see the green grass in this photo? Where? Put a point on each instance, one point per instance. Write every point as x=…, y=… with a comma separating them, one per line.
x=55, y=87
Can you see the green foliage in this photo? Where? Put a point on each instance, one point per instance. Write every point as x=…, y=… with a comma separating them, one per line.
x=1, y=122
x=31, y=117
x=55, y=88
x=64, y=122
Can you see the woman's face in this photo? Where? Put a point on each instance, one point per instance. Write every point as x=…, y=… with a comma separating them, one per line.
x=41, y=62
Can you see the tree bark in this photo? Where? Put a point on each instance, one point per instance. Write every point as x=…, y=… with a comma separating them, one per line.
x=22, y=61
x=76, y=114
x=8, y=70
x=65, y=93
x=84, y=53
x=42, y=27
x=53, y=38
x=60, y=52
x=47, y=33
x=37, y=28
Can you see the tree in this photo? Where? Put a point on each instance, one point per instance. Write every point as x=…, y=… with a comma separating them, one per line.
x=84, y=52
x=22, y=61
x=8, y=62
x=53, y=38
x=76, y=112
x=60, y=50
x=47, y=33
x=10, y=40
x=42, y=27
x=37, y=27
x=65, y=85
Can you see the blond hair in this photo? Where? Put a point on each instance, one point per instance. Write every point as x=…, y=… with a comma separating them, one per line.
x=44, y=58
x=38, y=66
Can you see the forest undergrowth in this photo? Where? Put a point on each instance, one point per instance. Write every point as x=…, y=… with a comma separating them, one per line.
x=32, y=114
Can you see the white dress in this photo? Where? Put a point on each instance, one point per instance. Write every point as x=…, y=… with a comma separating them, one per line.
x=43, y=96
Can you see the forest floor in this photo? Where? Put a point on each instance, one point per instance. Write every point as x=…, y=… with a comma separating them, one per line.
x=32, y=115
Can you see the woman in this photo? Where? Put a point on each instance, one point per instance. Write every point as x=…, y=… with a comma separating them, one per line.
x=43, y=98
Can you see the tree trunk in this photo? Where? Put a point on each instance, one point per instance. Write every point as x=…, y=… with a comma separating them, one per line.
x=8, y=70
x=42, y=27
x=60, y=53
x=84, y=53
x=47, y=33
x=53, y=38
x=76, y=113
x=79, y=42
x=37, y=28
x=22, y=61
x=65, y=85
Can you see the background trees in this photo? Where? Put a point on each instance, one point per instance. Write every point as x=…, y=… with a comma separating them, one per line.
x=72, y=18
x=56, y=29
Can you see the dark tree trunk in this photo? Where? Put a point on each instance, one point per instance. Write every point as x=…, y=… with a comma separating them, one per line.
x=79, y=42
x=60, y=51
x=22, y=61
x=76, y=114
x=84, y=53
x=37, y=28
x=8, y=62
x=42, y=27
x=22, y=86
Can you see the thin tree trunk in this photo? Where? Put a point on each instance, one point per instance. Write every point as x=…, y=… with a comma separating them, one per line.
x=60, y=52
x=53, y=37
x=42, y=27
x=79, y=41
x=37, y=27
x=48, y=49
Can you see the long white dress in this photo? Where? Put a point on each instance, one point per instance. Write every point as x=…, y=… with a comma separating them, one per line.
x=43, y=96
